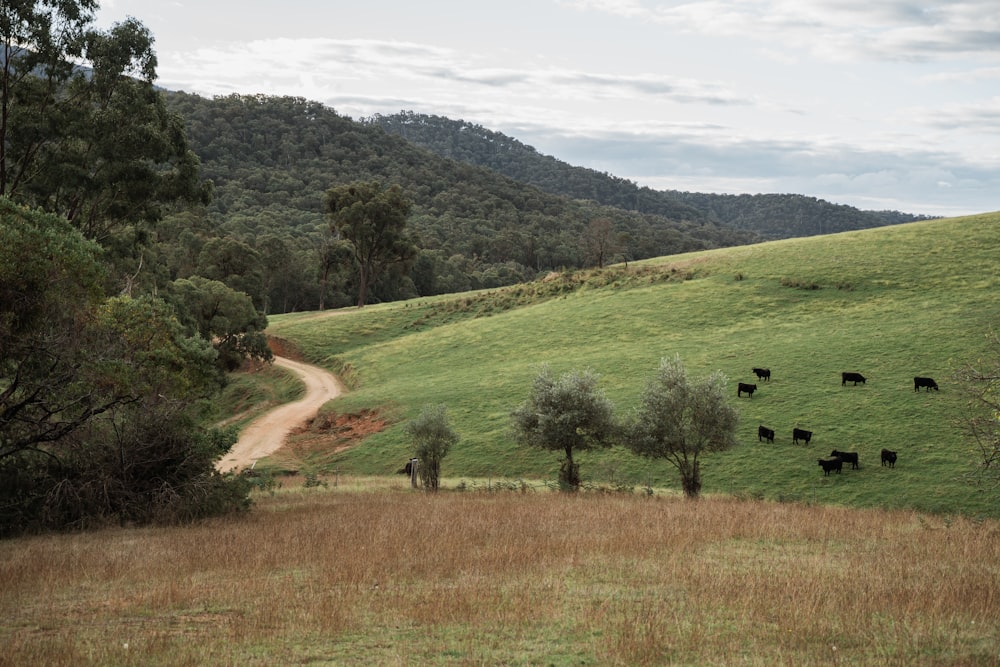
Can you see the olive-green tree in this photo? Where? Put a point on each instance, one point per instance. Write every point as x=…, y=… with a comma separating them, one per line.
x=565, y=414
x=372, y=218
x=679, y=420
x=432, y=438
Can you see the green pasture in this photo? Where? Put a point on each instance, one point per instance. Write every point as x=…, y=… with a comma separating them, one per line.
x=890, y=303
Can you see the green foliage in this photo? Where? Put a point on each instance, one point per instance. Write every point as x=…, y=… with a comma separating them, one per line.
x=218, y=313
x=566, y=414
x=100, y=399
x=273, y=158
x=771, y=216
x=372, y=218
x=915, y=306
x=94, y=143
x=432, y=438
x=679, y=420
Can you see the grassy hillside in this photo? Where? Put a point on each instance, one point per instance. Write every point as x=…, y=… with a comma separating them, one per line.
x=891, y=303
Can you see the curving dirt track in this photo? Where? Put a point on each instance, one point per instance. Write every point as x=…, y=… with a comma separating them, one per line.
x=267, y=433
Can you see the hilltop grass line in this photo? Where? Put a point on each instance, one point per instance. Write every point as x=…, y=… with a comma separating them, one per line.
x=891, y=303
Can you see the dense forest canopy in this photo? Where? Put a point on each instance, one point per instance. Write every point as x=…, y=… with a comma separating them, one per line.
x=772, y=216
x=271, y=159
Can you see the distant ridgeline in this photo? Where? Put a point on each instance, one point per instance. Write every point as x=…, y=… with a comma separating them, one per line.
x=487, y=210
x=771, y=216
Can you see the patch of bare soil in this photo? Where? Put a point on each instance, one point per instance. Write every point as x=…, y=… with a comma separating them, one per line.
x=283, y=348
x=330, y=433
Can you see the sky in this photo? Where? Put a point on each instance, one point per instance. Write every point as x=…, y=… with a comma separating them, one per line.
x=878, y=104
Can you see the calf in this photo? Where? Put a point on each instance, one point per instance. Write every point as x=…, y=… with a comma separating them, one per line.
x=889, y=458
x=800, y=434
x=765, y=433
x=763, y=373
x=919, y=382
x=748, y=388
x=848, y=457
x=829, y=465
x=851, y=377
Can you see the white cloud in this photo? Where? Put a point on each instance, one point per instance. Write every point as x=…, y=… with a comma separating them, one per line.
x=893, y=30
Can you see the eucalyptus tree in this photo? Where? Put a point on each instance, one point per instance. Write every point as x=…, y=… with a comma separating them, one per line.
x=84, y=133
x=372, y=218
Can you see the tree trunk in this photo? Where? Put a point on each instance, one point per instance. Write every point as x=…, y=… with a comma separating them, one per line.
x=569, y=473
x=691, y=479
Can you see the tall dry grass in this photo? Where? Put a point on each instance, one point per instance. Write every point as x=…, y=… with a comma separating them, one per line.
x=401, y=577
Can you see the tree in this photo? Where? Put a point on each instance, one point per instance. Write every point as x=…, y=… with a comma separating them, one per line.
x=373, y=220
x=99, y=398
x=599, y=242
x=83, y=131
x=679, y=420
x=980, y=381
x=566, y=414
x=432, y=437
x=221, y=314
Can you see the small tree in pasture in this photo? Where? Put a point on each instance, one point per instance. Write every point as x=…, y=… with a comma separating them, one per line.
x=980, y=381
x=679, y=420
x=566, y=414
x=432, y=438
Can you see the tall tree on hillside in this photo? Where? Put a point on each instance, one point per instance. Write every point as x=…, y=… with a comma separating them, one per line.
x=679, y=420
x=83, y=131
x=599, y=242
x=372, y=219
x=567, y=414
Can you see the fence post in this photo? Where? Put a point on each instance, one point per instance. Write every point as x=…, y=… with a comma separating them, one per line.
x=413, y=472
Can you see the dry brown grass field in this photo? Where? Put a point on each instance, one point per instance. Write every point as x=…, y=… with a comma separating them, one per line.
x=378, y=574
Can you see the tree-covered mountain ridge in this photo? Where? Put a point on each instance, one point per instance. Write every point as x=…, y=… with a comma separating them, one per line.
x=772, y=216
x=266, y=231
x=487, y=211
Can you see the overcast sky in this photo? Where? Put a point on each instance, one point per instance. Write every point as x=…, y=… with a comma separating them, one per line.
x=880, y=104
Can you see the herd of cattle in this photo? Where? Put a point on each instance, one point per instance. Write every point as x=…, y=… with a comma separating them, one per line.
x=837, y=458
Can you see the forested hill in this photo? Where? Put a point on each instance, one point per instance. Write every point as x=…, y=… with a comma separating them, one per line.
x=273, y=158
x=771, y=216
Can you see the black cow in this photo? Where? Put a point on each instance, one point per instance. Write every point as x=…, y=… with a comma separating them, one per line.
x=800, y=434
x=748, y=388
x=765, y=433
x=407, y=469
x=851, y=377
x=889, y=457
x=831, y=464
x=763, y=373
x=848, y=457
x=919, y=382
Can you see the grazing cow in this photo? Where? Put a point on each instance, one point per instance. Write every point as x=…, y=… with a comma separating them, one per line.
x=919, y=382
x=848, y=457
x=765, y=433
x=763, y=373
x=889, y=458
x=748, y=388
x=407, y=469
x=851, y=377
x=831, y=464
x=800, y=434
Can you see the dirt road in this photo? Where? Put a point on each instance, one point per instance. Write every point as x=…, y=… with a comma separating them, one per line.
x=267, y=433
